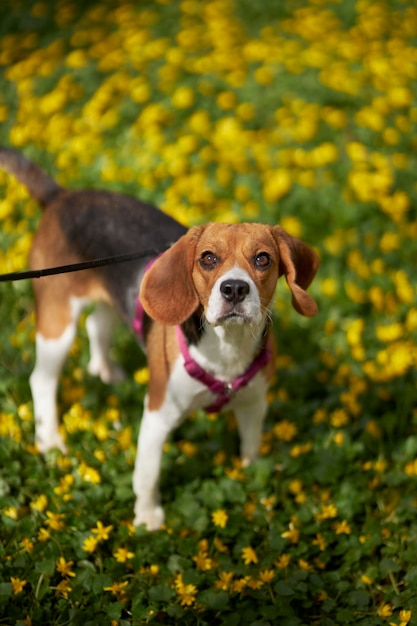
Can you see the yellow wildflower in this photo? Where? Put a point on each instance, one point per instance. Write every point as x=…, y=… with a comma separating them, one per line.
x=27, y=544
x=266, y=575
x=55, y=521
x=283, y=561
x=17, y=585
x=220, y=546
x=224, y=582
x=320, y=542
x=43, y=535
x=186, y=593
x=405, y=616
x=118, y=590
x=89, y=474
x=122, y=555
x=65, y=567
x=285, y=430
x=342, y=528
x=63, y=588
x=292, y=535
x=249, y=555
x=328, y=511
x=220, y=518
x=90, y=543
x=385, y=610
x=102, y=531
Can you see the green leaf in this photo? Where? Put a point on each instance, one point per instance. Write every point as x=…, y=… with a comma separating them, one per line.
x=283, y=589
x=214, y=600
x=388, y=566
x=45, y=567
x=114, y=610
x=5, y=589
x=161, y=593
x=99, y=582
x=345, y=616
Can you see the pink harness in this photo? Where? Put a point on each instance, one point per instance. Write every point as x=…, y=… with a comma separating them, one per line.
x=224, y=392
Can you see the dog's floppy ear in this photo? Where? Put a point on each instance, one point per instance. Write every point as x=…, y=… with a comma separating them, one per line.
x=299, y=263
x=167, y=291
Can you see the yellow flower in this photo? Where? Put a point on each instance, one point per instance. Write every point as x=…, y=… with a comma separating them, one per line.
x=17, y=585
x=220, y=518
x=249, y=555
x=305, y=565
x=40, y=503
x=342, y=528
x=339, y=418
x=220, y=546
x=283, y=561
x=89, y=474
x=292, y=535
x=297, y=451
x=142, y=376
x=101, y=531
x=226, y=100
x=43, y=535
x=183, y=97
x=366, y=580
x=185, y=592
x=11, y=512
x=65, y=567
x=328, y=511
x=118, y=589
x=385, y=610
x=90, y=543
x=55, y=521
x=285, y=430
x=320, y=542
x=27, y=544
x=277, y=184
x=224, y=582
x=267, y=575
x=405, y=616
x=122, y=555
x=63, y=588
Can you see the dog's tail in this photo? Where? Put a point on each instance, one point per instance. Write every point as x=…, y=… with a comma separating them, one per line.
x=40, y=186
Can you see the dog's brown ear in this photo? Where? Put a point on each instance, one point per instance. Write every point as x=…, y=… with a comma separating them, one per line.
x=167, y=291
x=299, y=263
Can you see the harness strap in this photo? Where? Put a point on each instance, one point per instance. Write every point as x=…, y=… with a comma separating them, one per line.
x=223, y=391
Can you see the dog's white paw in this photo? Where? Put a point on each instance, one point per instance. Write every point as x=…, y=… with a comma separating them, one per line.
x=153, y=517
x=55, y=441
x=108, y=372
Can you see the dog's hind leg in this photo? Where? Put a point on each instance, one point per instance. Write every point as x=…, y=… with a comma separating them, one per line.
x=100, y=324
x=57, y=316
x=50, y=358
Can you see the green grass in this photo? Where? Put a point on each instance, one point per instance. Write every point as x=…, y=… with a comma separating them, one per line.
x=302, y=114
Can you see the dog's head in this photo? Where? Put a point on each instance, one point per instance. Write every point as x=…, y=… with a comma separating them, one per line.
x=229, y=271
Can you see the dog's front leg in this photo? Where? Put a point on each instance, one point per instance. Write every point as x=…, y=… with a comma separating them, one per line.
x=155, y=428
x=250, y=417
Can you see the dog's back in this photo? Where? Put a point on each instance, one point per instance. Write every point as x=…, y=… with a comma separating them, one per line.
x=91, y=224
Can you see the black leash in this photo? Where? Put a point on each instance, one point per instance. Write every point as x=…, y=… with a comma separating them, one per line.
x=77, y=267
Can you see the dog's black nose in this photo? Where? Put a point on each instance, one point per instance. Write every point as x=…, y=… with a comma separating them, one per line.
x=234, y=290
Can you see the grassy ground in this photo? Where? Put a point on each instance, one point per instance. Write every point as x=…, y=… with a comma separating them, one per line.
x=302, y=113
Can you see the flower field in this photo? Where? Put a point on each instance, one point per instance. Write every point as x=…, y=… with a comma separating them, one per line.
x=300, y=113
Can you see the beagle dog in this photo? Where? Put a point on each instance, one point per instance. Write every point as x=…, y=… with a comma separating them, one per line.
x=200, y=305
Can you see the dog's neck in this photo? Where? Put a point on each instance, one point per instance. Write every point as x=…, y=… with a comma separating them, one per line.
x=228, y=350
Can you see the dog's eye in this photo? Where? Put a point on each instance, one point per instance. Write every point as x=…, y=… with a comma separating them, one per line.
x=208, y=260
x=262, y=260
